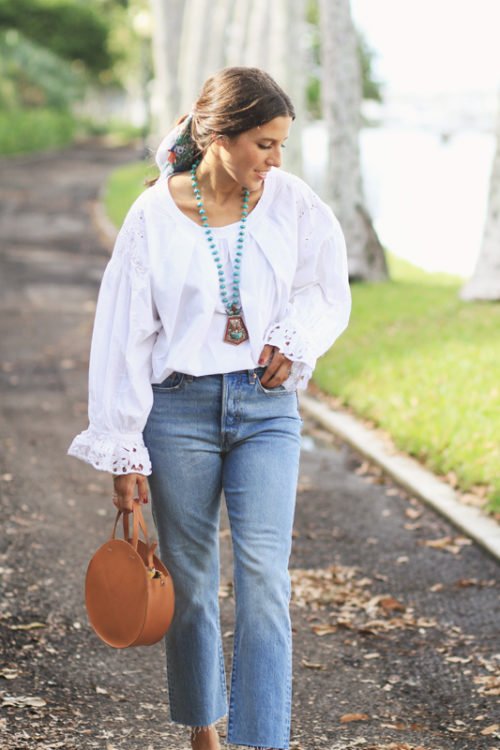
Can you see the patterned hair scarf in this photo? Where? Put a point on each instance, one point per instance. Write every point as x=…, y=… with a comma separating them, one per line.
x=177, y=152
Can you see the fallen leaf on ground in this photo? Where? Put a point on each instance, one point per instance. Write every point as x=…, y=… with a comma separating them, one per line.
x=447, y=543
x=436, y=587
x=21, y=701
x=491, y=729
x=323, y=629
x=458, y=659
x=9, y=674
x=389, y=603
x=312, y=664
x=413, y=513
x=353, y=717
x=343, y=591
x=490, y=684
x=464, y=582
x=225, y=590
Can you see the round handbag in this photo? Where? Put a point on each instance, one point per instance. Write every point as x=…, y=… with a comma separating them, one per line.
x=129, y=593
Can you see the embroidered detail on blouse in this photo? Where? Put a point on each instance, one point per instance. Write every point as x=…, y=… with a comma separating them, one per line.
x=287, y=339
x=118, y=454
x=299, y=377
x=130, y=244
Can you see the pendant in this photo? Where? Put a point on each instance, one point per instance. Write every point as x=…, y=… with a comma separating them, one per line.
x=236, y=331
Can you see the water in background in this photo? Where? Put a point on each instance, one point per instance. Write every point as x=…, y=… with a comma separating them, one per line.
x=427, y=194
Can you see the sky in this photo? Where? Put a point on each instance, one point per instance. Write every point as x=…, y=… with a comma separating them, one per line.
x=433, y=46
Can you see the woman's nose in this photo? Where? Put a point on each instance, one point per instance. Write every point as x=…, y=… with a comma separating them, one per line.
x=274, y=158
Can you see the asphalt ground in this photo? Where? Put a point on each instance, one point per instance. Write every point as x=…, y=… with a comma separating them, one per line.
x=395, y=613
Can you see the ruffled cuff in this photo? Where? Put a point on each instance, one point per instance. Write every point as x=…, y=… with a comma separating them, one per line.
x=299, y=377
x=118, y=454
x=287, y=339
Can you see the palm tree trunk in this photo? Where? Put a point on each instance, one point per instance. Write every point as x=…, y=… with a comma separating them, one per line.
x=341, y=101
x=219, y=41
x=287, y=65
x=167, y=22
x=485, y=281
x=195, y=38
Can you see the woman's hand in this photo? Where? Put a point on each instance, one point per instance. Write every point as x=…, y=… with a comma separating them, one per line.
x=278, y=366
x=124, y=486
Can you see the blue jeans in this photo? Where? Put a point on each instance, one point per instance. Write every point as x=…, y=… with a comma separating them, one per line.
x=207, y=434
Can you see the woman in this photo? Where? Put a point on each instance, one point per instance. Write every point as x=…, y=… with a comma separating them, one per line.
x=227, y=281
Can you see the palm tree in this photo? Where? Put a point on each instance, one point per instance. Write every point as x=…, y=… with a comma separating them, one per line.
x=341, y=88
x=485, y=281
x=287, y=64
x=167, y=25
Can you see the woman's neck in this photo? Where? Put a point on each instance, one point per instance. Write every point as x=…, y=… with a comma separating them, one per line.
x=215, y=183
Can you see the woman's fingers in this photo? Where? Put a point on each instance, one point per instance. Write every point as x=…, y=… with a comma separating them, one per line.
x=278, y=369
x=266, y=355
x=142, y=487
x=124, y=486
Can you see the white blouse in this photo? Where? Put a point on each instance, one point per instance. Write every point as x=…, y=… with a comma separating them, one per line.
x=159, y=308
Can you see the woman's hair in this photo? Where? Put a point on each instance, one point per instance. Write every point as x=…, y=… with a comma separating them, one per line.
x=234, y=100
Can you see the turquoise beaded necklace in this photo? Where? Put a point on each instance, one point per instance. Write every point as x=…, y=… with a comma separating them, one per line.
x=236, y=331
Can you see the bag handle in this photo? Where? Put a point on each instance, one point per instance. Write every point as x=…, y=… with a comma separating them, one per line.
x=138, y=522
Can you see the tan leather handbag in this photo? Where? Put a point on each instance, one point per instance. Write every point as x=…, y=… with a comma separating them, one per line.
x=129, y=593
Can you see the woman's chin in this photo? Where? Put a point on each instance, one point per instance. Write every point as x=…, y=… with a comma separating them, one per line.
x=253, y=185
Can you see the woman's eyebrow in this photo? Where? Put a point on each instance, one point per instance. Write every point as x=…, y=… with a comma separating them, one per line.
x=273, y=140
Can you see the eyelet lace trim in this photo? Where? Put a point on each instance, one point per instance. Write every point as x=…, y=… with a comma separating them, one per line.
x=117, y=454
x=287, y=339
x=300, y=374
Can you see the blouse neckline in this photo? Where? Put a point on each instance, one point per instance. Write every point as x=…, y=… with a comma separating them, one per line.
x=255, y=212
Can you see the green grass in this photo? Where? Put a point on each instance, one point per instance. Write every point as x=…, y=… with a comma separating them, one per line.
x=22, y=131
x=425, y=367
x=421, y=364
x=123, y=187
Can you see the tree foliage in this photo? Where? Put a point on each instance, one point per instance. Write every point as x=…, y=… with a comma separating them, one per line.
x=32, y=76
x=72, y=30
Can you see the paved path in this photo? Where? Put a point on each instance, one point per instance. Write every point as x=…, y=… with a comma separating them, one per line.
x=396, y=617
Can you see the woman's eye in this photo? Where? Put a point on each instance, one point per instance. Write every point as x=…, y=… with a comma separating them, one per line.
x=268, y=147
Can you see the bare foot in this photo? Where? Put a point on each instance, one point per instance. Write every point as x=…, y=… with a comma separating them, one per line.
x=205, y=738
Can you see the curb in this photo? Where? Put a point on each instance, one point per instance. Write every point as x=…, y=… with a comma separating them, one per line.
x=408, y=473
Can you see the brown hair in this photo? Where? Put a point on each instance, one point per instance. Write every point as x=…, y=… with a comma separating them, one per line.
x=234, y=100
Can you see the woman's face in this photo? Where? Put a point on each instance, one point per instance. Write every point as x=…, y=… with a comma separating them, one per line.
x=248, y=157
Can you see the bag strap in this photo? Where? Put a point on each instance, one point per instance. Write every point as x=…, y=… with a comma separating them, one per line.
x=139, y=522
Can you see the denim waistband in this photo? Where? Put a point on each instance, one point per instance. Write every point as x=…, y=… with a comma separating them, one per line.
x=251, y=374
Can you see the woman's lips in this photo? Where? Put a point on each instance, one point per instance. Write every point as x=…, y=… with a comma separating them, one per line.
x=263, y=175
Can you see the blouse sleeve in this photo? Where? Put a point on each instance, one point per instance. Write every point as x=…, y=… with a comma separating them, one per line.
x=320, y=302
x=125, y=328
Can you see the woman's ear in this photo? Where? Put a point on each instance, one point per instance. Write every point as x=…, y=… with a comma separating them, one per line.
x=220, y=140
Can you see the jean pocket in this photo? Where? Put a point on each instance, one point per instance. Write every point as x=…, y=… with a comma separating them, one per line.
x=172, y=382
x=278, y=390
